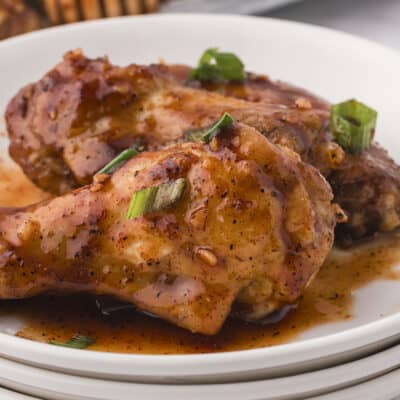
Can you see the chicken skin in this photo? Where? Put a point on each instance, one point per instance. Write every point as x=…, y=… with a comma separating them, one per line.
x=255, y=88
x=366, y=185
x=252, y=228
x=82, y=113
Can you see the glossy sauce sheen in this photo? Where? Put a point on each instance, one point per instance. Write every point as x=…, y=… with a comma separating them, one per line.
x=328, y=298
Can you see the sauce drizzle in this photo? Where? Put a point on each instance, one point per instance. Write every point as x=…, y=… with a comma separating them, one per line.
x=329, y=298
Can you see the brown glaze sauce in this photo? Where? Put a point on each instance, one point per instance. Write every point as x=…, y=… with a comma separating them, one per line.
x=15, y=188
x=329, y=298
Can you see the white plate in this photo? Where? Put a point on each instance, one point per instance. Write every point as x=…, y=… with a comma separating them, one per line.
x=336, y=65
x=9, y=395
x=385, y=387
x=53, y=385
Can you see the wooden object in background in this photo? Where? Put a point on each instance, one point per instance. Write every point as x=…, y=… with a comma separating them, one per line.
x=16, y=17
x=64, y=11
x=20, y=16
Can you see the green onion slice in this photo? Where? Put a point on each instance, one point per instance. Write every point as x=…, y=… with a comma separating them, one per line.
x=108, y=305
x=206, y=134
x=216, y=66
x=155, y=198
x=352, y=124
x=77, y=342
x=118, y=161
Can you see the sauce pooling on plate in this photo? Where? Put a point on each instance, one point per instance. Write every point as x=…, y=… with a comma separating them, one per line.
x=327, y=299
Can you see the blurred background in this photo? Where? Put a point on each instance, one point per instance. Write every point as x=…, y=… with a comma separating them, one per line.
x=378, y=20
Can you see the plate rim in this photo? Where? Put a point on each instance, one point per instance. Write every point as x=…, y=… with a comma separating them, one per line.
x=376, y=334
x=142, y=17
x=309, y=383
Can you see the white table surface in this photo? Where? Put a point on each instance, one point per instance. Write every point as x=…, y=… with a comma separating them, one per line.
x=378, y=20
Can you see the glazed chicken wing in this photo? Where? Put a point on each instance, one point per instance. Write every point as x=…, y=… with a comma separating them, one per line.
x=81, y=114
x=367, y=185
x=255, y=88
x=251, y=229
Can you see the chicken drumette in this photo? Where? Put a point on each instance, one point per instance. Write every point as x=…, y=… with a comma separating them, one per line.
x=366, y=185
x=251, y=229
x=83, y=112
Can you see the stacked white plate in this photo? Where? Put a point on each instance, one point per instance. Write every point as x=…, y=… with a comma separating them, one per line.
x=357, y=354
x=374, y=377
x=360, y=376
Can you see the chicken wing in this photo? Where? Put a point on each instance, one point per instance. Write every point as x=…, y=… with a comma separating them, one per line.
x=255, y=88
x=367, y=186
x=251, y=229
x=83, y=112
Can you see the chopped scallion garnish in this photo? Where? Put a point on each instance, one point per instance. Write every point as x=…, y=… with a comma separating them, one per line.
x=218, y=66
x=77, y=342
x=352, y=125
x=155, y=198
x=118, y=161
x=108, y=305
x=206, y=134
